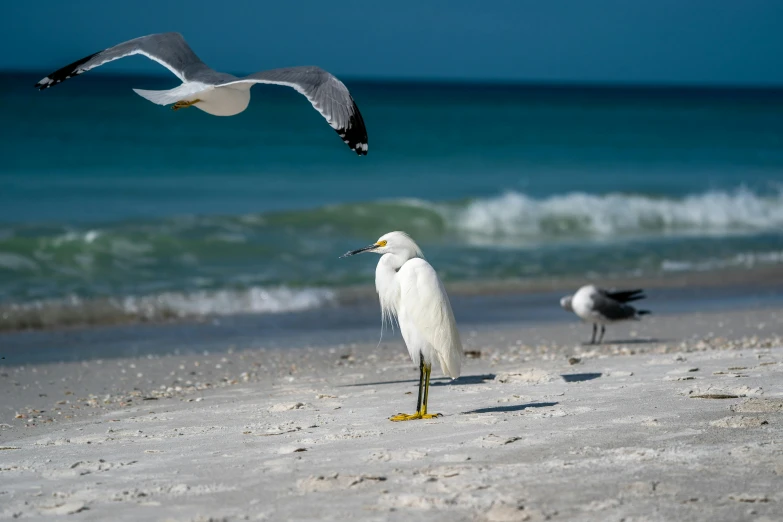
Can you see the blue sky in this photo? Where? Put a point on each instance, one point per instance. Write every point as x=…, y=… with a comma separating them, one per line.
x=625, y=41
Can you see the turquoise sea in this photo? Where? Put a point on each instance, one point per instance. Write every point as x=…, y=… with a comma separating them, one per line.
x=112, y=207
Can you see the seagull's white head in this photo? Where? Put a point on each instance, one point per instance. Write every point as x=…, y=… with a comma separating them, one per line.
x=565, y=303
x=397, y=243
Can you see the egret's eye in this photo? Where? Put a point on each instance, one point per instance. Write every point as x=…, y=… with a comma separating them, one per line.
x=381, y=243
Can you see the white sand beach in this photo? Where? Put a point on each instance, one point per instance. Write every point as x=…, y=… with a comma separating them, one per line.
x=632, y=430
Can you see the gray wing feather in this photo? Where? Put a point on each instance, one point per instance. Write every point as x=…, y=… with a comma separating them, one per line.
x=611, y=309
x=168, y=49
x=328, y=95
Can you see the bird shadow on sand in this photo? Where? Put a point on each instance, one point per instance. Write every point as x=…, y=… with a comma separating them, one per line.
x=515, y=407
x=579, y=377
x=434, y=381
x=464, y=380
x=647, y=340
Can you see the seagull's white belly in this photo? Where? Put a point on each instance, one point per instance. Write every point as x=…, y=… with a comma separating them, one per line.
x=582, y=304
x=223, y=101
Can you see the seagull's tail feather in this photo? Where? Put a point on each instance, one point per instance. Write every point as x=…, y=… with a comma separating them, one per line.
x=643, y=312
x=159, y=97
x=626, y=296
x=182, y=92
x=634, y=297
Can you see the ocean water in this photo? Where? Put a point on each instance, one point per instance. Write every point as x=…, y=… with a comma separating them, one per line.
x=113, y=208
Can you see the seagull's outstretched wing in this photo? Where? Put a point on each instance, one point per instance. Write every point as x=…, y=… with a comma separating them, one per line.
x=168, y=49
x=328, y=95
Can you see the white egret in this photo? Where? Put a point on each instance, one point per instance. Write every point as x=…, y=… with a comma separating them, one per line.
x=410, y=290
x=598, y=306
x=223, y=94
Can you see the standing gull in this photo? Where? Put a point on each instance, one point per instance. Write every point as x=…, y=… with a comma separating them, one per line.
x=410, y=290
x=598, y=306
x=223, y=94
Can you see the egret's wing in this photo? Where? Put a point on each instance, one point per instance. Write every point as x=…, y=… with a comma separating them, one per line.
x=328, y=95
x=611, y=309
x=427, y=306
x=168, y=49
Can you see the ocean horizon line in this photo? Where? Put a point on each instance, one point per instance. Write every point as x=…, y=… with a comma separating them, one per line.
x=521, y=84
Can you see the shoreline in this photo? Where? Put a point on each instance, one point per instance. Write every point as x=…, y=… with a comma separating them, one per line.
x=105, y=312
x=84, y=375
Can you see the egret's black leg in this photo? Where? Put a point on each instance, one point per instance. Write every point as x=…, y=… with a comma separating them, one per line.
x=422, y=401
x=424, y=414
x=424, y=391
x=421, y=382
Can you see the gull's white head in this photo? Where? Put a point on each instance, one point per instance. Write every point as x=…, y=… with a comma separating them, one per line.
x=565, y=303
x=397, y=243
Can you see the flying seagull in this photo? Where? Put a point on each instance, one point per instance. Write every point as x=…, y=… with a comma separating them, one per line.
x=223, y=94
x=598, y=306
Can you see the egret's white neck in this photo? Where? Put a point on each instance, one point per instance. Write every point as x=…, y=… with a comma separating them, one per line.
x=391, y=261
x=387, y=285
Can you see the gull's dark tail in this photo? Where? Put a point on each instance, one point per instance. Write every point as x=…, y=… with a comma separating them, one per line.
x=626, y=296
x=643, y=312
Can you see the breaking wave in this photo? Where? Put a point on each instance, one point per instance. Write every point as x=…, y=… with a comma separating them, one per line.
x=571, y=215
x=510, y=215
x=580, y=214
x=196, y=266
x=168, y=305
x=741, y=260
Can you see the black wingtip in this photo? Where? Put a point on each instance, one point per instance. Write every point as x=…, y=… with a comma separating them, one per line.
x=44, y=83
x=62, y=74
x=643, y=312
x=355, y=135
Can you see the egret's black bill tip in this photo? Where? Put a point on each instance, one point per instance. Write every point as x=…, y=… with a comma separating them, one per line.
x=359, y=251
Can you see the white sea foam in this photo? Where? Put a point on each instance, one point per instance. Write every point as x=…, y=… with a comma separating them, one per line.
x=253, y=300
x=73, y=236
x=578, y=214
x=742, y=260
x=75, y=310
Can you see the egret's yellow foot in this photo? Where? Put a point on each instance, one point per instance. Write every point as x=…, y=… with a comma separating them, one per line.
x=418, y=415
